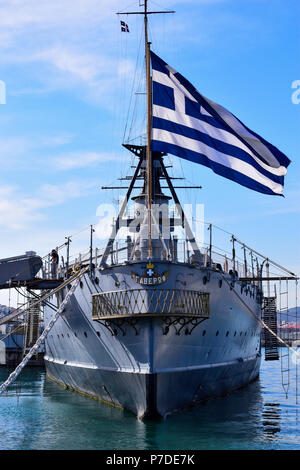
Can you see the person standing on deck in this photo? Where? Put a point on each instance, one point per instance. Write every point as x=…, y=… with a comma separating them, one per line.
x=54, y=263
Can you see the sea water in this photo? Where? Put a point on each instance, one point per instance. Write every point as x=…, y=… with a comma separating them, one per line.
x=36, y=413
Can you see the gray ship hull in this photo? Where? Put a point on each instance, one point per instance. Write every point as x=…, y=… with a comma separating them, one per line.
x=157, y=394
x=155, y=366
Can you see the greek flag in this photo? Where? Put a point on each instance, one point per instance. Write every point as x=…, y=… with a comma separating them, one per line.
x=190, y=126
x=124, y=27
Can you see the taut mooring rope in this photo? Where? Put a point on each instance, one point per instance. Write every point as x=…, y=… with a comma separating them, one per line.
x=259, y=319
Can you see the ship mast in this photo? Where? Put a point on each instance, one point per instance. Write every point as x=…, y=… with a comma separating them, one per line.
x=148, y=156
x=149, y=121
x=150, y=174
x=149, y=185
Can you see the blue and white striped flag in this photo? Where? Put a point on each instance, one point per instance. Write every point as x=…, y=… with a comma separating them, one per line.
x=188, y=125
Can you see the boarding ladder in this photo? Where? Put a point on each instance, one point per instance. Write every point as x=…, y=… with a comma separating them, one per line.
x=270, y=319
x=284, y=316
x=32, y=328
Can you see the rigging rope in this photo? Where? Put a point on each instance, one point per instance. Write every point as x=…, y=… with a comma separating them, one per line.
x=12, y=377
x=262, y=323
x=6, y=335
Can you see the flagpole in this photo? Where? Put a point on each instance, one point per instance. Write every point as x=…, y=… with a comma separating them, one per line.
x=149, y=113
x=148, y=196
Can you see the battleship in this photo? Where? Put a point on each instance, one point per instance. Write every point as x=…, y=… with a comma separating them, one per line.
x=150, y=327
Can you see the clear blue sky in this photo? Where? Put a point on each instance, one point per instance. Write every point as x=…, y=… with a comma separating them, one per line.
x=68, y=72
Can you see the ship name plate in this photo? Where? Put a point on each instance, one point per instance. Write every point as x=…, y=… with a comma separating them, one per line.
x=150, y=277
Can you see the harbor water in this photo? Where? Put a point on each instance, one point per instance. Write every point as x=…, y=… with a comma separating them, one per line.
x=36, y=413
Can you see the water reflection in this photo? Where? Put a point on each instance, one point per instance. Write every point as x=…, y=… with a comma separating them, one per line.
x=216, y=424
x=37, y=413
x=228, y=422
x=271, y=416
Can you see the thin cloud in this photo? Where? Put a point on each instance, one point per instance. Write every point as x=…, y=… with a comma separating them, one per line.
x=83, y=66
x=13, y=150
x=74, y=160
x=18, y=211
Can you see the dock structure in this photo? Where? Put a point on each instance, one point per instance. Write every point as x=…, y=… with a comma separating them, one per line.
x=22, y=327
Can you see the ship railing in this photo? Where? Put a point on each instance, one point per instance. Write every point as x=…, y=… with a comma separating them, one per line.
x=150, y=302
x=218, y=249
x=121, y=253
x=224, y=263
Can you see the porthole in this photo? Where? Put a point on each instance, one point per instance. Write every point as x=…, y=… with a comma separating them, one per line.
x=203, y=332
x=234, y=333
x=85, y=334
x=227, y=333
x=204, y=280
x=220, y=283
x=97, y=280
x=217, y=332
